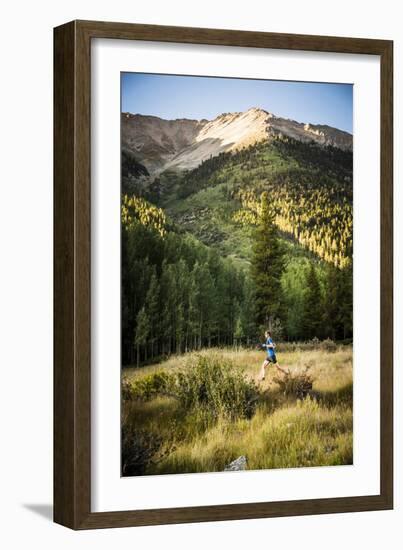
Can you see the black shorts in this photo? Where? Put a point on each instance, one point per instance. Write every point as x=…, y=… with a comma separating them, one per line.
x=271, y=359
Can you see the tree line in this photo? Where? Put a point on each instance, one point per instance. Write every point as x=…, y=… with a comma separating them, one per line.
x=179, y=295
x=320, y=306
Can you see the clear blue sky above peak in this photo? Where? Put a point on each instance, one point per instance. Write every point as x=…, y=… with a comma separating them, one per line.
x=197, y=97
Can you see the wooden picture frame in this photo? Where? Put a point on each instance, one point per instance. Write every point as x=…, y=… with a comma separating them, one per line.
x=72, y=270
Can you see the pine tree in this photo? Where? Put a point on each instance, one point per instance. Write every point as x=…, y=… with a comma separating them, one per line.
x=247, y=327
x=193, y=318
x=168, y=302
x=294, y=287
x=142, y=331
x=268, y=263
x=346, y=302
x=181, y=298
x=153, y=310
x=312, y=316
x=331, y=313
x=204, y=303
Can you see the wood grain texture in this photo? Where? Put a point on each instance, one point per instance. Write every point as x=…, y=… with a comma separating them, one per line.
x=72, y=274
x=386, y=282
x=72, y=238
x=64, y=376
x=220, y=37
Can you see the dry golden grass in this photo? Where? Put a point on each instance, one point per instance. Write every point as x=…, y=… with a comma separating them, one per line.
x=283, y=433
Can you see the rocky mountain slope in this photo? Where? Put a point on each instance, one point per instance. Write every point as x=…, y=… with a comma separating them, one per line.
x=154, y=141
x=182, y=144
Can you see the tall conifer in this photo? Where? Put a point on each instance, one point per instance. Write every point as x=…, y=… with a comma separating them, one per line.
x=312, y=316
x=268, y=263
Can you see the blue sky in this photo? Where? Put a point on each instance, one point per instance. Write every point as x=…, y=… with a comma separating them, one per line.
x=195, y=97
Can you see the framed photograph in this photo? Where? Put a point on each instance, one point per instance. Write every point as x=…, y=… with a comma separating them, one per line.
x=223, y=333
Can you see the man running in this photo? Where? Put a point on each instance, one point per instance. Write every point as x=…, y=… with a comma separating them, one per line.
x=270, y=348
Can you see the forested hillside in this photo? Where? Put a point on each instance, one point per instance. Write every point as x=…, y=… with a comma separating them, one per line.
x=177, y=294
x=310, y=189
x=194, y=245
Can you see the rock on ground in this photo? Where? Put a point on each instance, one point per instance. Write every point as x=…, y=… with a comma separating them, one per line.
x=238, y=464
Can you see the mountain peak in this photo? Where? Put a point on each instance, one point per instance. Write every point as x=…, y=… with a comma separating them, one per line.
x=258, y=111
x=182, y=144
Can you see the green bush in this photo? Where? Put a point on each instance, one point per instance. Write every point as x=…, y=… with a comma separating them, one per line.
x=147, y=387
x=213, y=385
x=127, y=391
x=209, y=385
x=328, y=345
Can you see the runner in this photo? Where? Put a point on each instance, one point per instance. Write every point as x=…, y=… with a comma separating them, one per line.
x=270, y=348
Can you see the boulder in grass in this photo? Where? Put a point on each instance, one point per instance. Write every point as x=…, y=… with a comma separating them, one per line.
x=237, y=465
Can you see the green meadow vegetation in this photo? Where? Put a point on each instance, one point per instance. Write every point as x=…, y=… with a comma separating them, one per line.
x=198, y=412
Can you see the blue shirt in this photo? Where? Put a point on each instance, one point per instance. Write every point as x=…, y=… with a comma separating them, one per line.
x=270, y=351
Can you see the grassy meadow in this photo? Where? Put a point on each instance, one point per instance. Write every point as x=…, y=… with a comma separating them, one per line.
x=197, y=412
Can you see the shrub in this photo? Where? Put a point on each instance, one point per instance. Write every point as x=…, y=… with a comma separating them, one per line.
x=209, y=385
x=147, y=387
x=140, y=449
x=297, y=383
x=310, y=345
x=214, y=385
x=328, y=345
x=127, y=391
